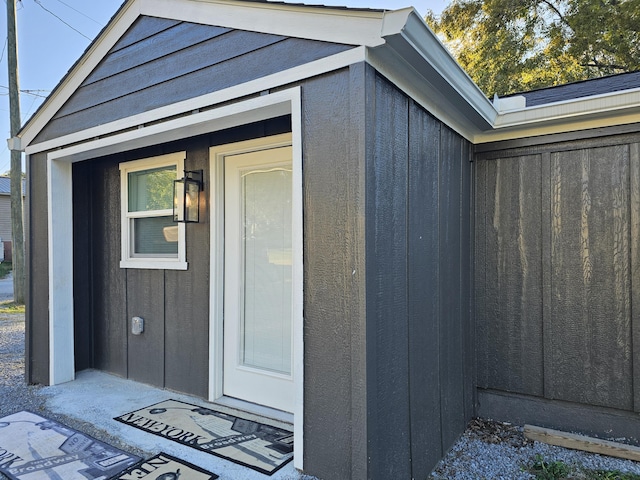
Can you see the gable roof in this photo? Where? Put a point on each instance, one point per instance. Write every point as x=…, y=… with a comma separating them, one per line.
x=397, y=43
x=5, y=185
x=383, y=38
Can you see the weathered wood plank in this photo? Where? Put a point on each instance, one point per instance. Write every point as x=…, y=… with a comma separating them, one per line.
x=387, y=286
x=591, y=333
x=165, y=43
x=109, y=280
x=452, y=403
x=634, y=171
x=467, y=274
x=482, y=321
x=513, y=277
x=546, y=299
x=582, y=442
x=142, y=28
x=424, y=302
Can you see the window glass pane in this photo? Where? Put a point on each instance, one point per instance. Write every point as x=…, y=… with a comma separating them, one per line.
x=155, y=235
x=151, y=189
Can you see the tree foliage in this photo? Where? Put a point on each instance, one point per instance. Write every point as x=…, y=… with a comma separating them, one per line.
x=508, y=46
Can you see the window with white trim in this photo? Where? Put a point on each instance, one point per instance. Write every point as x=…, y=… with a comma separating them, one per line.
x=150, y=237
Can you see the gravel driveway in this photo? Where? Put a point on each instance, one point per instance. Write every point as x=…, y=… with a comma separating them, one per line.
x=487, y=450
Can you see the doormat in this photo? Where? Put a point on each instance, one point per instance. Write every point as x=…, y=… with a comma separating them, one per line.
x=255, y=445
x=35, y=448
x=165, y=467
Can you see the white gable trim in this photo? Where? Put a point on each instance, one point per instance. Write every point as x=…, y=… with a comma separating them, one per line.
x=352, y=27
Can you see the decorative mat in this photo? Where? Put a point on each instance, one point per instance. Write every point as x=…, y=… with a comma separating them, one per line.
x=255, y=445
x=36, y=448
x=165, y=467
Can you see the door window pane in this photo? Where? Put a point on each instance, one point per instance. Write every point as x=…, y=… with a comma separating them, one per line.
x=266, y=250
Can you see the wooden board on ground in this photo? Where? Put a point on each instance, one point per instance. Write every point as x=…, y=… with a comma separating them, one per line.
x=582, y=442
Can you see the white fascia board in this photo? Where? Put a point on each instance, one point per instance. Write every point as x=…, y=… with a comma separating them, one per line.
x=286, y=77
x=248, y=111
x=352, y=27
x=427, y=72
x=597, y=111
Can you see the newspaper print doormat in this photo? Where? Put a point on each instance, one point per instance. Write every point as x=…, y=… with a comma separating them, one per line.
x=36, y=448
x=255, y=445
x=165, y=467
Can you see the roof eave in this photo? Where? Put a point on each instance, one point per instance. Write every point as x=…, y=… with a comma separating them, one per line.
x=439, y=82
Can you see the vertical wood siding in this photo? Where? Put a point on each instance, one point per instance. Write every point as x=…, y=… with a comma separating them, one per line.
x=334, y=331
x=420, y=372
x=173, y=352
x=37, y=278
x=160, y=62
x=557, y=256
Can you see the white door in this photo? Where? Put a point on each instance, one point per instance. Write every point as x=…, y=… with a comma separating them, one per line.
x=258, y=326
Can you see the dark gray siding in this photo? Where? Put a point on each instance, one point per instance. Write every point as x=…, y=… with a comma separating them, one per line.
x=37, y=278
x=174, y=350
x=160, y=62
x=334, y=271
x=419, y=344
x=557, y=259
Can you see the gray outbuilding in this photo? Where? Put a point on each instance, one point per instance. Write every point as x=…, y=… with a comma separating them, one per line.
x=381, y=253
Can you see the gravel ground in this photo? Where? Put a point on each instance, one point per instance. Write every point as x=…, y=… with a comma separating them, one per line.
x=488, y=450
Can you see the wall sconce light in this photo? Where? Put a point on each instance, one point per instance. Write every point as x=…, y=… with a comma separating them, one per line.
x=186, y=197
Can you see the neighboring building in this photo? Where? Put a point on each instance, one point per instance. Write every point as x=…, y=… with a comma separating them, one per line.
x=382, y=252
x=5, y=218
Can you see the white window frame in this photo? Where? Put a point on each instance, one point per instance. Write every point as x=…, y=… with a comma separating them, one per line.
x=161, y=262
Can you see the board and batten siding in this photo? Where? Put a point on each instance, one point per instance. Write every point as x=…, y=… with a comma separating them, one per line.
x=557, y=274
x=173, y=352
x=418, y=284
x=159, y=62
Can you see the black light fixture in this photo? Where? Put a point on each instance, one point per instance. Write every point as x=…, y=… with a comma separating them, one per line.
x=186, y=197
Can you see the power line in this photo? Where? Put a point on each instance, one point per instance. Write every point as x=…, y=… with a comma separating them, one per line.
x=39, y=3
x=35, y=93
x=78, y=11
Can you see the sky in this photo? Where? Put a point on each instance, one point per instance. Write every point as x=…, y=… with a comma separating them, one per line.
x=53, y=34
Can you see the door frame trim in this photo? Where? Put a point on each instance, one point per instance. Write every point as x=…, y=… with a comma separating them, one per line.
x=216, y=295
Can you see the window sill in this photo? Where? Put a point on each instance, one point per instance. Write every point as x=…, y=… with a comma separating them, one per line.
x=151, y=264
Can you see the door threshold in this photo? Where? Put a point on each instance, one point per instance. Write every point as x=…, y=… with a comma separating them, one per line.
x=255, y=409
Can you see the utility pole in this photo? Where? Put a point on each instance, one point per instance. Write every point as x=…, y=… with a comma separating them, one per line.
x=17, y=243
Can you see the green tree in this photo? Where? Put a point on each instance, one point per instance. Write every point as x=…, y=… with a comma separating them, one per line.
x=508, y=46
